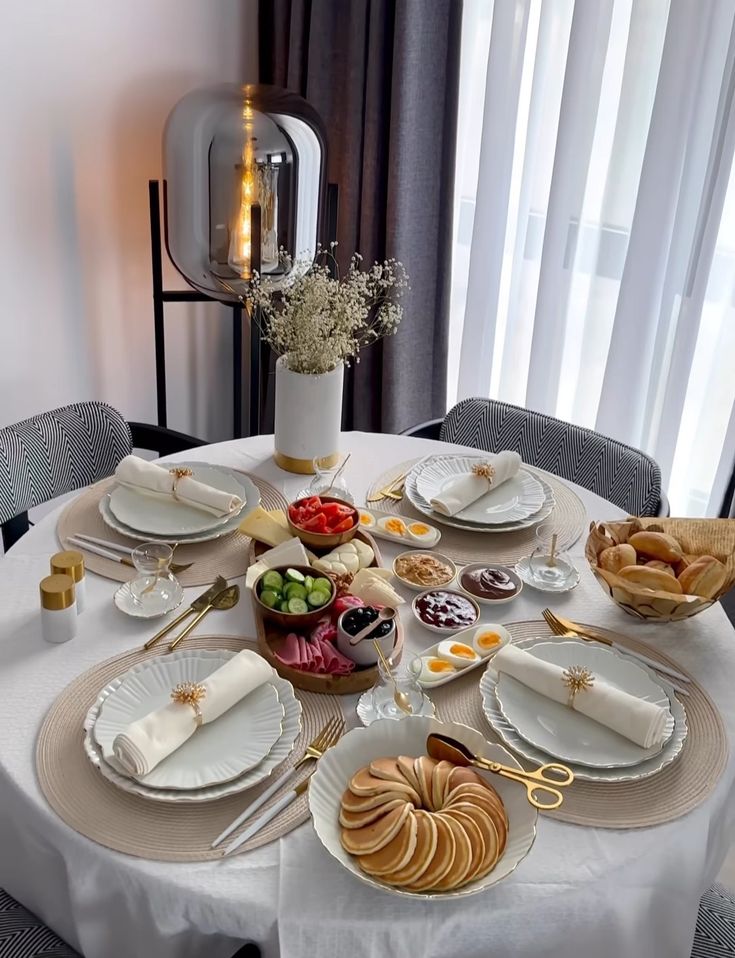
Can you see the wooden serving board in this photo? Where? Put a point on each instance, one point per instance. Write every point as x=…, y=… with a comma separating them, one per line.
x=270, y=636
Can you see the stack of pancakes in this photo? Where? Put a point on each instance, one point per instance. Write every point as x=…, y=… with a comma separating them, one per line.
x=422, y=825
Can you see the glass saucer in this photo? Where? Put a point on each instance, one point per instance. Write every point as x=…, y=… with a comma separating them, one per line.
x=368, y=713
x=557, y=586
x=126, y=603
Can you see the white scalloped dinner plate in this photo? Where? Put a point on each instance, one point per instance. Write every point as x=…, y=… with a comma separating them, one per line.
x=456, y=522
x=158, y=516
x=217, y=752
x=566, y=733
x=277, y=755
x=645, y=769
x=408, y=737
x=512, y=501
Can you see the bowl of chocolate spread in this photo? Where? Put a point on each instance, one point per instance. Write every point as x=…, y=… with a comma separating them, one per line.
x=491, y=584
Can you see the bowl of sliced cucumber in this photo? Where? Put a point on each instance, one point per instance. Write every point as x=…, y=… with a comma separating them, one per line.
x=295, y=597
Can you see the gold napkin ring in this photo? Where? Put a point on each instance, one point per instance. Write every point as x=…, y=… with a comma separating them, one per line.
x=484, y=470
x=190, y=693
x=179, y=472
x=577, y=678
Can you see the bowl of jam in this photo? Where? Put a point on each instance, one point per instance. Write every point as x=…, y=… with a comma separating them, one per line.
x=355, y=620
x=445, y=610
x=491, y=584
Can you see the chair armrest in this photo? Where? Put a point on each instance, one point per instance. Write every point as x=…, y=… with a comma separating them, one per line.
x=162, y=440
x=425, y=430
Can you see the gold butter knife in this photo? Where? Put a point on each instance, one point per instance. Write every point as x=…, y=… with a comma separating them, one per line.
x=197, y=605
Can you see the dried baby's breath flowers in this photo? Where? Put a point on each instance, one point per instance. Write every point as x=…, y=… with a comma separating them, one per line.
x=322, y=320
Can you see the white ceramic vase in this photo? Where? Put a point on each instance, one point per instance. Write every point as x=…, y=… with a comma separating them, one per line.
x=308, y=417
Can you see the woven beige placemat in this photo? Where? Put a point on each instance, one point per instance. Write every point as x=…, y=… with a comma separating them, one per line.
x=673, y=792
x=569, y=520
x=163, y=831
x=227, y=556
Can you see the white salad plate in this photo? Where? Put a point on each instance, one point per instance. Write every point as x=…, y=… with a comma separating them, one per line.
x=164, y=516
x=515, y=499
x=423, y=506
x=248, y=491
x=634, y=773
x=408, y=736
x=567, y=734
x=277, y=755
x=217, y=752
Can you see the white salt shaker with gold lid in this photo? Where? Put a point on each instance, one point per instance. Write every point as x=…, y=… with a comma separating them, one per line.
x=58, y=608
x=71, y=563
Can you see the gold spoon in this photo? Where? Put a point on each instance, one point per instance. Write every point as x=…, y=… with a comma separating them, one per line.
x=226, y=599
x=400, y=698
x=539, y=781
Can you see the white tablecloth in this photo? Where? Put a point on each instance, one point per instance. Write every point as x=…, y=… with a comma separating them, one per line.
x=581, y=892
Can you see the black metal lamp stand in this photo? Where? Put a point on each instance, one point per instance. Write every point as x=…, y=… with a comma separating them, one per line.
x=257, y=347
x=162, y=296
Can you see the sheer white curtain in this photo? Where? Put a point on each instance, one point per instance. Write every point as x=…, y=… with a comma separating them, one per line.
x=594, y=253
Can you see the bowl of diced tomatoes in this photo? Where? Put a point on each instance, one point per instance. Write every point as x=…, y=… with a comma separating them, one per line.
x=323, y=522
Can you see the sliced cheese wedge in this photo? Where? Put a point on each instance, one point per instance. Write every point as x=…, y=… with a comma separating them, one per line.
x=291, y=552
x=263, y=527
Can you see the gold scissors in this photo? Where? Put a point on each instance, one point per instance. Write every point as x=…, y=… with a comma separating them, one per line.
x=544, y=780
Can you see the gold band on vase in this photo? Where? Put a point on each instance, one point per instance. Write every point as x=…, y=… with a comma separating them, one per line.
x=304, y=467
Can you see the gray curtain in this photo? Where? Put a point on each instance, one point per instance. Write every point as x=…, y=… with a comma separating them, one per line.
x=384, y=75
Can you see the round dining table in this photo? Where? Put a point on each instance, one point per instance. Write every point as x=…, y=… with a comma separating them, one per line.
x=581, y=892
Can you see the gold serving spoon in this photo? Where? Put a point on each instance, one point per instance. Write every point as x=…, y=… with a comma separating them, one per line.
x=542, y=780
x=400, y=698
x=226, y=599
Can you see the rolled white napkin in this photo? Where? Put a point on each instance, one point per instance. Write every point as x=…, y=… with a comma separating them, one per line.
x=149, y=740
x=147, y=477
x=468, y=488
x=640, y=722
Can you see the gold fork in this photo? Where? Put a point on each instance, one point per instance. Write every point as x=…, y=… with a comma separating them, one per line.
x=389, y=492
x=558, y=628
x=327, y=737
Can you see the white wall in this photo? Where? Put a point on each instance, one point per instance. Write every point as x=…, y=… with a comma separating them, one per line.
x=85, y=88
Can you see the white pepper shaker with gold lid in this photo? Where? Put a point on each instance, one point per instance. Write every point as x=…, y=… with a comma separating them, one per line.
x=58, y=608
x=71, y=563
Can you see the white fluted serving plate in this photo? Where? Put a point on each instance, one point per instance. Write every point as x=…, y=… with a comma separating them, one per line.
x=564, y=732
x=277, y=755
x=218, y=751
x=515, y=499
x=149, y=516
x=408, y=737
x=645, y=769
x=424, y=507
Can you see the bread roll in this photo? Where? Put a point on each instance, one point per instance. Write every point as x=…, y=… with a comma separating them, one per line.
x=656, y=545
x=648, y=578
x=663, y=566
x=615, y=557
x=705, y=576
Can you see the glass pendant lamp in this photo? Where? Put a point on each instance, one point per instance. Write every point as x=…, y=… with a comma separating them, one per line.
x=245, y=172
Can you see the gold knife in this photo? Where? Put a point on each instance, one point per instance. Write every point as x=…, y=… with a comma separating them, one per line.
x=197, y=605
x=226, y=599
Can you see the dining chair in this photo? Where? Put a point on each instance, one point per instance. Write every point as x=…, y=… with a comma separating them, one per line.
x=66, y=449
x=22, y=935
x=715, y=933
x=623, y=475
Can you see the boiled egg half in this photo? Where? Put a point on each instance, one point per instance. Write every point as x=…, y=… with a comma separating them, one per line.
x=434, y=669
x=367, y=519
x=457, y=654
x=392, y=525
x=489, y=638
x=421, y=532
